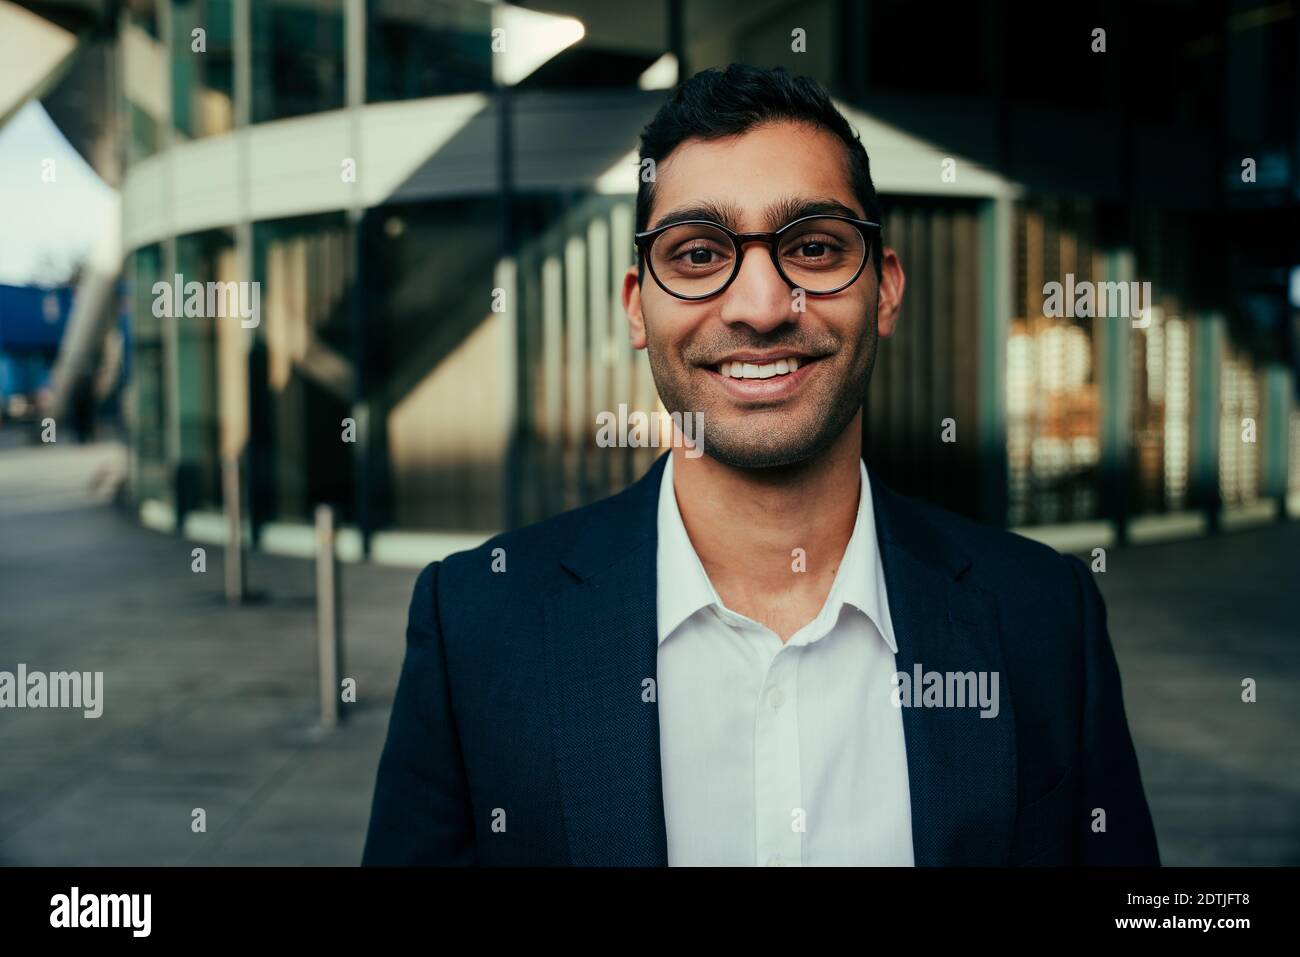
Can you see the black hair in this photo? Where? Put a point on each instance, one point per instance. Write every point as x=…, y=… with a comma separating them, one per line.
x=716, y=103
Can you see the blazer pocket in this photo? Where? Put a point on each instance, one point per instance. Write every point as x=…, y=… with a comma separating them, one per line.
x=1044, y=827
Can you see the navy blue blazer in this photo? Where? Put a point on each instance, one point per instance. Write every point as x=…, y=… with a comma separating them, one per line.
x=519, y=734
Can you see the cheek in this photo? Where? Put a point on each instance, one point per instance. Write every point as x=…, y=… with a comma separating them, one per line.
x=853, y=323
x=669, y=326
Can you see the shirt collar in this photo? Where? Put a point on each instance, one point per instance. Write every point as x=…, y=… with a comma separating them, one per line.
x=860, y=582
x=684, y=587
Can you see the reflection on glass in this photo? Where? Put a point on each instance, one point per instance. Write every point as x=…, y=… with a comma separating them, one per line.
x=146, y=403
x=144, y=75
x=1053, y=419
x=429, y=48
x=1239, y=472
x=307, y=370
x=297, y=57
x=200, y=257
x=202, y=67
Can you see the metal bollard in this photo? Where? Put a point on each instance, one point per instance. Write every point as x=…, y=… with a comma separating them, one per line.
x=329, y=619
x=232, y=500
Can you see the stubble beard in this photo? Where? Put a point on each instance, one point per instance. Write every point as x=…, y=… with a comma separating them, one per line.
x=765, y=438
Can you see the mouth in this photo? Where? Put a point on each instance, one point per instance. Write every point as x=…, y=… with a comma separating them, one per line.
x=740, y=369
x=763, y=377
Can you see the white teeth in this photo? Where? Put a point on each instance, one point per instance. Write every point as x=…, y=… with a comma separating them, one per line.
x=750, y=370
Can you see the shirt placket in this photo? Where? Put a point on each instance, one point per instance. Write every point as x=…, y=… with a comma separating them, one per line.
x=778, y=814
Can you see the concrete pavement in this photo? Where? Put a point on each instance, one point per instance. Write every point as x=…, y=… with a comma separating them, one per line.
x=213, y=707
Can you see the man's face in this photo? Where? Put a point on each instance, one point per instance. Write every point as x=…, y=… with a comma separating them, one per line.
x=759, y=181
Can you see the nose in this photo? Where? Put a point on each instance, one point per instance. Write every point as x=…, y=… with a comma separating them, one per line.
x=759, y=297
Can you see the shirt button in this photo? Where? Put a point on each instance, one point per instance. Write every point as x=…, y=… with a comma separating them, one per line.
x=776, y=698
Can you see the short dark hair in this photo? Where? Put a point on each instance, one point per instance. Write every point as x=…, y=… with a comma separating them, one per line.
x=716, y=103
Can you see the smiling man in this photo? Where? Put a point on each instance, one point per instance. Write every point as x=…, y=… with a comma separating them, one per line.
x=759, y=655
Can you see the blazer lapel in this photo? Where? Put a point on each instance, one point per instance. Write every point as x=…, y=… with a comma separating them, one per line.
x=961, y=766
x=602, y=651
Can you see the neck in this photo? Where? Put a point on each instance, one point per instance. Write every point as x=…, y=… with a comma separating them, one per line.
x=745, y=524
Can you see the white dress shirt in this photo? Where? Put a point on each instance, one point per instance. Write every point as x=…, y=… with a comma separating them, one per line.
x=777, y=754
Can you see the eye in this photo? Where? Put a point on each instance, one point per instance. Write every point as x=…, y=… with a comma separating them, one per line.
x=813, y=247
x=698, y=254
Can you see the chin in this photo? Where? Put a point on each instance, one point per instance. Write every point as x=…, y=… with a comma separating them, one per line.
x=759, y=441
x=743, y=456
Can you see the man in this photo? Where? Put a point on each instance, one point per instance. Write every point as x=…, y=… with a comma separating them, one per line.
x=759, y=655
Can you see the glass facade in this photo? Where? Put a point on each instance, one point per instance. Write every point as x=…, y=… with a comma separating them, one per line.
x=574, y=356
x=200, y=258
x=1052, y=390
x=144, y=80
x=926, y=373
x=301, y=444
x=1240, y=429
x=147, y=401
x=297, y=57
x=429, y=48
x=203, y=66
x=422, y=365
x=434, y=357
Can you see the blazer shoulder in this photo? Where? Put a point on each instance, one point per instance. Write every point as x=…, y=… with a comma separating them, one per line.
x=515, y=557
x=1043, y=602
x=528, y=560
x=1003, y=561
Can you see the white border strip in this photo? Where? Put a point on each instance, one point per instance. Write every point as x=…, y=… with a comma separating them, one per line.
x=1076, y=537
x=157, y=515
x=413, y=549
x=404, y=549
x=1251, y=515
x=1148, y=529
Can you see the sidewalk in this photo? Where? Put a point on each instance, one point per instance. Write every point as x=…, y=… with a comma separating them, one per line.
x=206, y=705
x=215, y=707
x=1189, y=622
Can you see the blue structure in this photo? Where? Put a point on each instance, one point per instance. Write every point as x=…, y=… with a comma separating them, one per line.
x=32, y=320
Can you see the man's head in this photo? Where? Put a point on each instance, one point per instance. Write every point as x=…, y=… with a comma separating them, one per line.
x=755, y=150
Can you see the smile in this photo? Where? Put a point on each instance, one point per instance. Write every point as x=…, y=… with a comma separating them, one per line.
x=765, y=381
x=751, y=370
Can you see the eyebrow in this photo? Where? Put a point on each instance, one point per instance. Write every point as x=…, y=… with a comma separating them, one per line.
x=774, y=215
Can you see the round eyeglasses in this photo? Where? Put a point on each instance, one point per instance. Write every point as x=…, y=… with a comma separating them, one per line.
x=698, y=258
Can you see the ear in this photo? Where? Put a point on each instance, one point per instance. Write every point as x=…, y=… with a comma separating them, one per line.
x=632, y=306
x=892, y=282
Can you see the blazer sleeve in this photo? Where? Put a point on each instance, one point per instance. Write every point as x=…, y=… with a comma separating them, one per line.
x=421, y=811
x=1111, y=780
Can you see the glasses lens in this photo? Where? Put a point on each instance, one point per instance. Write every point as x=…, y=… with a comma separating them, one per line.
x=820, y=255
x=693, y=259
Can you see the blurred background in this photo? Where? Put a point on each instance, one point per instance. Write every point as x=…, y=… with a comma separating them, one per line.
x=380, y=168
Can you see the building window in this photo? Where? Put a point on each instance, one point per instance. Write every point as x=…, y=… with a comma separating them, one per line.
x=297, y=57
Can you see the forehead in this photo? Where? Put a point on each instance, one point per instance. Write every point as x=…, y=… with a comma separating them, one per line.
x=755, y=172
